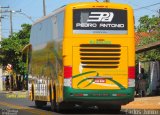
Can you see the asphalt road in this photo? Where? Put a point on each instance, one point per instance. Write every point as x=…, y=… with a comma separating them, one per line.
x=13, y=104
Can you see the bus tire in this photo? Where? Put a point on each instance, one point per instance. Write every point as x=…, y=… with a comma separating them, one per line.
x=32, y=98
x=53, y=101
x=58, y=106
x=40, y=104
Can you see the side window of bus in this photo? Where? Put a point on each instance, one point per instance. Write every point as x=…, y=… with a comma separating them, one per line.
x=29, y=58
x=55, y=27
x=60, y=24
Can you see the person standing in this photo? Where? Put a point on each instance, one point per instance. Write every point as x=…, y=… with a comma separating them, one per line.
x=142, y=83
x=7, y=83
x=141, y=74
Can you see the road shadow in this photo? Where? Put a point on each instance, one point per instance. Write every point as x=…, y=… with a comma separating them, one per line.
x=80, y=111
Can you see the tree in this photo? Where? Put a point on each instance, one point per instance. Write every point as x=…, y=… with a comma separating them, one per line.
x=150, y=25
x=11, y=49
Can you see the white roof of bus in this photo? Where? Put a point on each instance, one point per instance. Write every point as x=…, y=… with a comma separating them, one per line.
x=49, y=15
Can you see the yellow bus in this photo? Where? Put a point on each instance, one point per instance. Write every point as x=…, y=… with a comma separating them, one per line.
x=83, y=53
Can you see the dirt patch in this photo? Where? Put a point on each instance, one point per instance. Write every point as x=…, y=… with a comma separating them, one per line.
x=144, y=103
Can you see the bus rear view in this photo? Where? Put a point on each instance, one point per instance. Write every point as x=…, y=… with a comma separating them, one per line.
x=101, y=67
x=83, y=53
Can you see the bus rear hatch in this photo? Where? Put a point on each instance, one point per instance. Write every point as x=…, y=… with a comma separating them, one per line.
x=100, y=66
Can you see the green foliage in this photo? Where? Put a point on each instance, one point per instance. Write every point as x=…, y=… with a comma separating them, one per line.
x=151, y=25
x=11, y=49
x=148, y=24
x=150, y=55
x=147, y=40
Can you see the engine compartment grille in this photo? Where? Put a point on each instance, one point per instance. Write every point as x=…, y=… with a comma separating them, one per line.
x=100, y=55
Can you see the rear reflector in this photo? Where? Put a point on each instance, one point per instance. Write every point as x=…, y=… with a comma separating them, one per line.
x=68, y=82
x=131, y=72
x=79, y=95
x=67, y=71
x=131, y=82
x=119, y=95
x=67, y=76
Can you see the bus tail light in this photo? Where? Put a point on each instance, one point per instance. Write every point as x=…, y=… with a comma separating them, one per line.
x=67, y=71
x=68, y=76
x=131, y=76
x=131, y=72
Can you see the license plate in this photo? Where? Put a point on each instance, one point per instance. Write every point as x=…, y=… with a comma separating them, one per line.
x=100, y=80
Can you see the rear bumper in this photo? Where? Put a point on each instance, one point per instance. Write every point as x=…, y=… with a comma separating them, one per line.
x=98, y=96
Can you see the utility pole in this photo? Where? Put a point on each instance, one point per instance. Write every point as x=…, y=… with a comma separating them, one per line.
x=1, y=77
x=11, y=24
x=1, y=81
x=159, y=13
x=1, y=23
x=44, y=8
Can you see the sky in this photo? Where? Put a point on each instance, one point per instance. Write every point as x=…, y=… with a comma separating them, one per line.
x=33, y=9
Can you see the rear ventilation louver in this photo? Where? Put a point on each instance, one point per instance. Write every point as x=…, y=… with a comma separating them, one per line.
x=100, y=55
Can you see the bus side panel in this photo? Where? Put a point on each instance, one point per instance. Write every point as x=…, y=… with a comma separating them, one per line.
x=46, y=61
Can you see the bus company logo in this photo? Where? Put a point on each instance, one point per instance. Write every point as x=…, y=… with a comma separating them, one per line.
x=101, y=17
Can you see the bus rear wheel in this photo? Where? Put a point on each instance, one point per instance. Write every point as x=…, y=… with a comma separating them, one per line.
x=56, y=107
x=40, y=104
x=53, y=101
x=53, y=105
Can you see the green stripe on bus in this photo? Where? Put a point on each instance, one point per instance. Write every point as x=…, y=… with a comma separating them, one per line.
x=78, y=75
x=118, y=84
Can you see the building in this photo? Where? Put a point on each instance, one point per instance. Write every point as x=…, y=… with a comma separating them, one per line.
x=151, y=66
